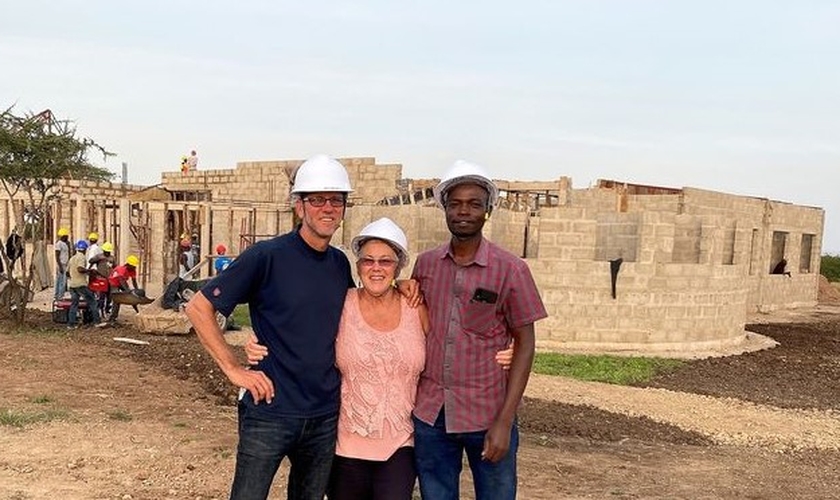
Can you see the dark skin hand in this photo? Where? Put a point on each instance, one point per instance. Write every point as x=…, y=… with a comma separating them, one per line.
x=497, y=438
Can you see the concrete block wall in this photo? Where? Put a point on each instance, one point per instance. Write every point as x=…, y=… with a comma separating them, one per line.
x=687, y=234
x=618, y=236
x=772, y=292
x=566, y=233
x=268, y=181
x=260, y=181
x=675, y=309
x=508, y=230
x=597, y=200
x=372, y=182
x=654, y=203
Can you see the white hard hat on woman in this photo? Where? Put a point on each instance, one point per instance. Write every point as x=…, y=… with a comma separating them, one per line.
x=388, y=231
x=321, y=174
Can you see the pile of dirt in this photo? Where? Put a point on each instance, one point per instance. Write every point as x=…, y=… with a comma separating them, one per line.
x=801, y=372
x=828, y=294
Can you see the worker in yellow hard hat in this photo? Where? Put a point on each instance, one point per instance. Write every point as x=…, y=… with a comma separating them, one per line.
x=103, y=264
x=93, y=249
x=62, y=258
x=118, y=281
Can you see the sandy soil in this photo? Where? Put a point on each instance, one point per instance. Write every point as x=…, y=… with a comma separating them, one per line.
x=156, y=421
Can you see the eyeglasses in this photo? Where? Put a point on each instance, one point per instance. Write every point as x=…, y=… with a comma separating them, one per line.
x=385, y=262
x=320, y=201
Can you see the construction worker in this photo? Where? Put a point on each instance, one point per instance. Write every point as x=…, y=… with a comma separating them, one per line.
x=222, y=261
x=78, y=284
x=118, y=282
x=186, y=258
x=14, y=249
x=62, y=257
x=94, y=249
x=192, y=161
x=102, y=265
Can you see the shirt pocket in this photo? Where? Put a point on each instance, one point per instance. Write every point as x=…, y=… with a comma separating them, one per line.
x=479, y=318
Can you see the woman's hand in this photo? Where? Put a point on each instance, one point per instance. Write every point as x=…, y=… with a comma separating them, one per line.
x=505, y=357
x=256, y=351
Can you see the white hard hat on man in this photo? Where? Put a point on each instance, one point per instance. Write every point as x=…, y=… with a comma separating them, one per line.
x=464, y=172
x=321, y=174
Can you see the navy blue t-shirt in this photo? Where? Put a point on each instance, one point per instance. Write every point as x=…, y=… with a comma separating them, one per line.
x=295, y=294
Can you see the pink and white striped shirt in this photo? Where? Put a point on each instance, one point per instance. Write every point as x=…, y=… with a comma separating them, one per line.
x=472, y=309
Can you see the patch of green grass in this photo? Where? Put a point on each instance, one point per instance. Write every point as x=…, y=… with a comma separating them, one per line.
x=40, y=400
x=242, y=315
x=22, y=418
x=120, y=415
x=610, y=369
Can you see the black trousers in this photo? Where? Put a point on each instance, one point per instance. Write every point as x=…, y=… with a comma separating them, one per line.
x=356, y=479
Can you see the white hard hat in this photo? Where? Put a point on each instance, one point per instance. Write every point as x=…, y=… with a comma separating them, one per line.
x=321, y=174
x=387, y=230
x=465, y=172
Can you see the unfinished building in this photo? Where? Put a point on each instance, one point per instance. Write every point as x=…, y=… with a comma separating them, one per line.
x=620, y=266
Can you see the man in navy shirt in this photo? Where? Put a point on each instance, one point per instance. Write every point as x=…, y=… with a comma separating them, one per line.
x=295, y=285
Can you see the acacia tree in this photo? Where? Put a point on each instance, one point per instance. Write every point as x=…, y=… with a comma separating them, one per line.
x=36, y=153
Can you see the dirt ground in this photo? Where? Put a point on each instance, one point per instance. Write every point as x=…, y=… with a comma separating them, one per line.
x=157, y=421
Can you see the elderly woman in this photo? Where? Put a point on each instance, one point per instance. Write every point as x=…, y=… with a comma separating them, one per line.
x=380, y=352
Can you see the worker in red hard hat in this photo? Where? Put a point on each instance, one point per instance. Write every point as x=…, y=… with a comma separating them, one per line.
x=221, y=261
x=186, y=258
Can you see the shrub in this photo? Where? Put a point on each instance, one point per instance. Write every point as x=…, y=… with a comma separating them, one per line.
x=830, y=267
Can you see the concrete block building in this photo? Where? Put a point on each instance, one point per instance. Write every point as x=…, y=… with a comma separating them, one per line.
x=620, y=266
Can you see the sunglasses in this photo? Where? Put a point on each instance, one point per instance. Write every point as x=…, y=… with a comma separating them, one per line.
x=385, y=262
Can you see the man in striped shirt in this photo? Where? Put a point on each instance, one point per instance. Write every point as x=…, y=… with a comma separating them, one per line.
x=480, y=297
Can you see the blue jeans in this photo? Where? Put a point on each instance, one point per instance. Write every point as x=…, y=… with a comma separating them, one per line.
x=87, y=294
x=264, y=441
x=439, y=457
x=60, y=284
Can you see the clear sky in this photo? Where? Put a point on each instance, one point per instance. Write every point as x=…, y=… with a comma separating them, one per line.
x=739, y=96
